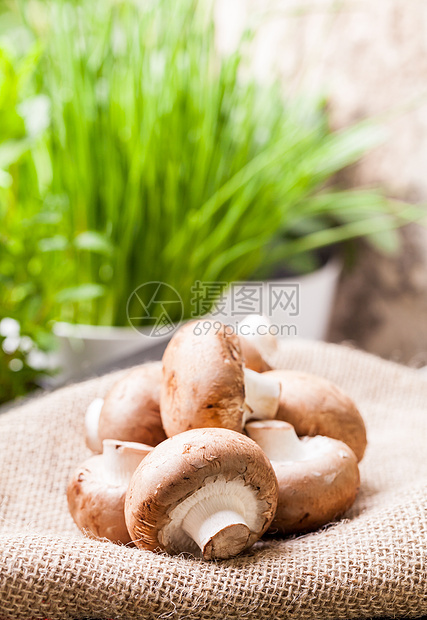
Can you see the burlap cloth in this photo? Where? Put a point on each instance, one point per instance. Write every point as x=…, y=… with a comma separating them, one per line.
x=373, y=563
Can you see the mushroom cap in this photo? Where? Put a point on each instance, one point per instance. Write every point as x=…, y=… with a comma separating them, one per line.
x=131, y=409
x=97, y=507
x=95, y=502
x=316, y=406
x=186, y=463
x=203, y=381
x=257, y=329
x=316, y=489
x=252, y=357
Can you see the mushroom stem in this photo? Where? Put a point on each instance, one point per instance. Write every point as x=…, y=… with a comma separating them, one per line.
x=121, y=458
x=277, y=439
x=93, y=413
x=219, y=530
x=262, y=396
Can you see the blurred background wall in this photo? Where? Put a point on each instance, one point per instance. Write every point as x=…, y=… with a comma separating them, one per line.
x=370, y=58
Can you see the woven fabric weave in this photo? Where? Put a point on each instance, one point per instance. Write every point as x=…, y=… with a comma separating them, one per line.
x=373, y=563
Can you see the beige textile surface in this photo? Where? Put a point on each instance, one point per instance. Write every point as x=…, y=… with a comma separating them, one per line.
x=373, y=563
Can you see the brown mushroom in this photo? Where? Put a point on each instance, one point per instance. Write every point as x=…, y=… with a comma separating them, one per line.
x=252, y=357
x=207, y=490
x=206, y=385
x=316, y=406
x=93, y=412
x=255, y=330
x=318, y=477
x=130, y=411
x=96, y=492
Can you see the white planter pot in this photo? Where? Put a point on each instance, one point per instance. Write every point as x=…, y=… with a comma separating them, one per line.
x=296, y=307
x=84, y=347
x=317, y=295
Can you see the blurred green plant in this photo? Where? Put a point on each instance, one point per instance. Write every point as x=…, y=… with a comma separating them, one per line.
x=172, y=164
x=134, y=151
x=24, y=315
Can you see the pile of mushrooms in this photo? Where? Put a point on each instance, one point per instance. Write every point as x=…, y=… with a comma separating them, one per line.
x=209, y=449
